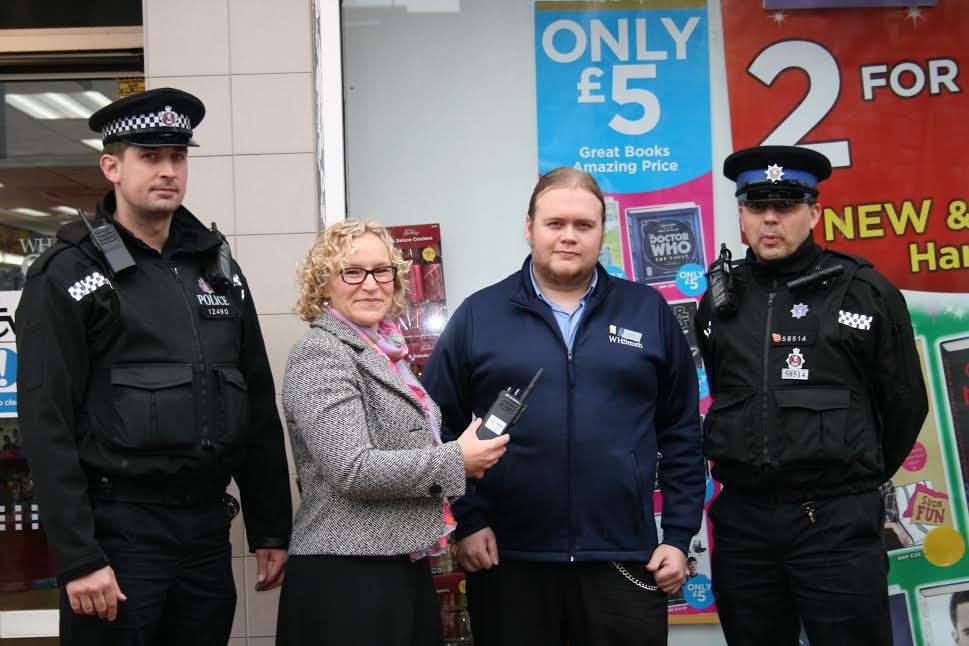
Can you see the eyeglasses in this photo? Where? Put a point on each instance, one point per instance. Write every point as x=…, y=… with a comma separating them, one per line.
x=778, y=206
x=355, y=275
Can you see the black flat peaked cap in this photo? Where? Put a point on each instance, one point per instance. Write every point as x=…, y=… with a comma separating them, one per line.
x=159, y=117
x=777, y=172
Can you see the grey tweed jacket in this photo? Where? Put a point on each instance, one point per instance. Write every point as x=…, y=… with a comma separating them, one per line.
x=370, y=477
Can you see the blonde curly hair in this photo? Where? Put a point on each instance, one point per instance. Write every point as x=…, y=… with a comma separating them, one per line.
x=330, y=253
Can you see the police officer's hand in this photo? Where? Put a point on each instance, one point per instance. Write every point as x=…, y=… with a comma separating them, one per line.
x=96, y=593
x=478, y=551
x=480, y=455
x=668, y=567
x=270, y=568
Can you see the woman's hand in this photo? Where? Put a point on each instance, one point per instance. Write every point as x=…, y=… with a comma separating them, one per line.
x=480, y=455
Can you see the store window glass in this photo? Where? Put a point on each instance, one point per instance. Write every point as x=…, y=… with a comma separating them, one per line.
x=60, y=61
x=440, y=126
x=439, y=110
x=48, y=165
x=48, y=170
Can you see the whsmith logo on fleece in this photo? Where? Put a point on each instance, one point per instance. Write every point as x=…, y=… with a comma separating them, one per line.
x=623, y=336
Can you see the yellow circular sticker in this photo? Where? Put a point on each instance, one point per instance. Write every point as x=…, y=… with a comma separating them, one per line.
x=429, y=254
x=943, y=546
x=461, y=587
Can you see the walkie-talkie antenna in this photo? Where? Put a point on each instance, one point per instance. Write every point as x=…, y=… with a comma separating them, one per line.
x=83, y=215
x=531, y=384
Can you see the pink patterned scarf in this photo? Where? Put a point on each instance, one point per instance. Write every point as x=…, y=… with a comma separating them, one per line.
x=389, y=343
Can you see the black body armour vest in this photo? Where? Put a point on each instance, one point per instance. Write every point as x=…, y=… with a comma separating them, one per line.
x=792, y=408
x=166, y=395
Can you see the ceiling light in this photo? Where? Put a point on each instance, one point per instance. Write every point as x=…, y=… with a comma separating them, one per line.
x=66, y=210
x=58, y=105
x=31, y=212
x=67, y=105
x=96, y=99
x=11, y=258
x=28, y=104
x=410, y=6
x=431, y=6
x=97, y=144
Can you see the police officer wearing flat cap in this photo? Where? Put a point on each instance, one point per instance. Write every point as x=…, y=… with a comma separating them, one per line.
x=143, y=388
x=817, y=399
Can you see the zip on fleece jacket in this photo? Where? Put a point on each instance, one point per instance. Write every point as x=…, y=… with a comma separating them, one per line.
x=570, y=397
x=576, y=481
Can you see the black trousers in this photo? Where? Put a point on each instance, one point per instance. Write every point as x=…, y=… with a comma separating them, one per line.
x=522, y=603
x=175, y=566
x=773, y=569
x=359, y=600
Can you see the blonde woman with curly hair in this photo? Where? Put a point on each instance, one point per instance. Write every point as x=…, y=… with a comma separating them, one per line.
x=375, y=477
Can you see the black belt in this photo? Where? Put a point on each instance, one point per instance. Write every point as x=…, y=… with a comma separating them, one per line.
x=172, y=493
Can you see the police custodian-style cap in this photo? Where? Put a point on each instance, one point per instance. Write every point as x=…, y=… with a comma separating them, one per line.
x=160, y=117
x=767, y=173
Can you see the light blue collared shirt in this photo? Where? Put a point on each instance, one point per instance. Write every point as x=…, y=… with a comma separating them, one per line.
x=568, y=321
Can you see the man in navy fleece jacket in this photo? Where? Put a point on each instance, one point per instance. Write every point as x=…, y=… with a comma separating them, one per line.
x=559, y=538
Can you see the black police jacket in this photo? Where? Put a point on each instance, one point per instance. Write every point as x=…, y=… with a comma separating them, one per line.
x=149, y=376
x=817, y=390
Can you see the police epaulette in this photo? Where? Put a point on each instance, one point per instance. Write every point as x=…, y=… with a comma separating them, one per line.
x=39, y=266
x=858, y=260
x=67, y=236
x=868, y=274
x=70, y=235
x=73, y=233
x=865, y=271
x=822, y=278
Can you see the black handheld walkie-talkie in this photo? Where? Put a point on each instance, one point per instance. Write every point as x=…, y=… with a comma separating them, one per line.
x=722, y=288
x=109, y=243
x=220, y=273
x=506, y=410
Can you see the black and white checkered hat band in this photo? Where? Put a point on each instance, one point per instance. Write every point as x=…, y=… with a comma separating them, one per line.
x=142, y=122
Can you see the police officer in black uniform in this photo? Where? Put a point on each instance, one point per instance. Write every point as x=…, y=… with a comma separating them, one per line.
x=144, y=386
x=817, y=399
